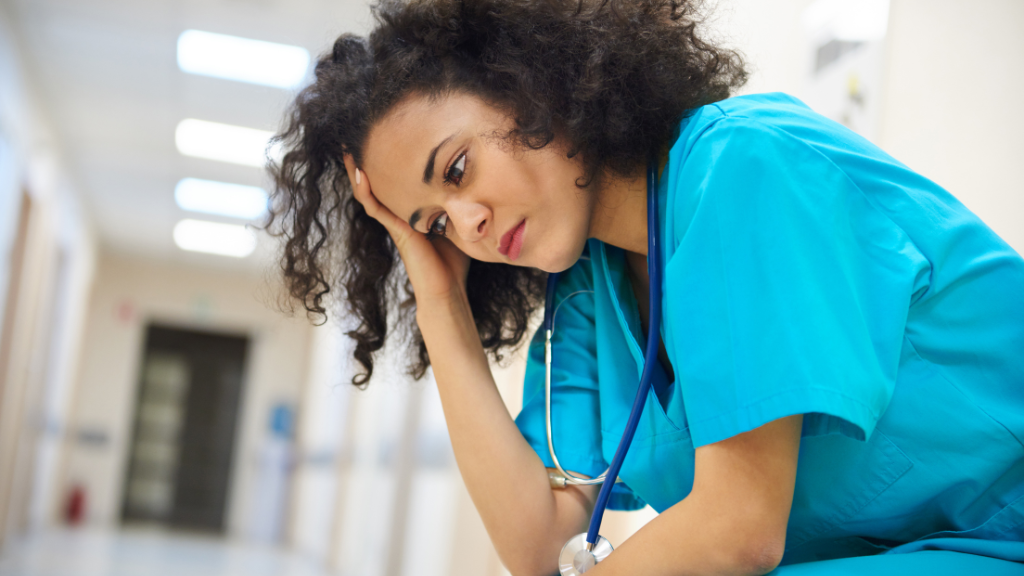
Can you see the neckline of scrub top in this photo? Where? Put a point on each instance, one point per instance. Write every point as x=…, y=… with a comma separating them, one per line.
x=625, y=303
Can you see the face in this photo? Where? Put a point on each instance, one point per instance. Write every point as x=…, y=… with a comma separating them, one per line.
x=440, y=165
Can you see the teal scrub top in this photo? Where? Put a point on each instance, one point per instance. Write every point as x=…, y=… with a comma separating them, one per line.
x=806, y=272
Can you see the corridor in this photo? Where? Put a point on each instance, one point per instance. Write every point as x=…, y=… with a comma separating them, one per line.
x=134, y=552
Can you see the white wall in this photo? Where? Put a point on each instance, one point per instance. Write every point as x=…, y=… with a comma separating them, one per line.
x=323, y=419
x=69, y=268
x=130, y=293
x=55, y=278
x=769, y=36
x=376, y=490
x=952, y=109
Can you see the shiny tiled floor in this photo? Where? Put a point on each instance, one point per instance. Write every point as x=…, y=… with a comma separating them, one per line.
x=144, y=553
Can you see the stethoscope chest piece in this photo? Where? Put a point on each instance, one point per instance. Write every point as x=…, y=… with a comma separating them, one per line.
x=577, y=559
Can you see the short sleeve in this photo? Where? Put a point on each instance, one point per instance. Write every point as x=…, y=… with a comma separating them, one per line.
x=575, y=401
x=787, y=290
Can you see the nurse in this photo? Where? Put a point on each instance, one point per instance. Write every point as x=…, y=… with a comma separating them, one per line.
x=841, y=385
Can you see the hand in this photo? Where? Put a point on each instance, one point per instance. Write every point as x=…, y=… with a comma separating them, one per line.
x=436, y=267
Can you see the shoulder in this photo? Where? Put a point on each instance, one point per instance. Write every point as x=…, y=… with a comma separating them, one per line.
x=769, y=108
x=747, y=121
x=743, y=144
x=761, y=106
x=751, y=156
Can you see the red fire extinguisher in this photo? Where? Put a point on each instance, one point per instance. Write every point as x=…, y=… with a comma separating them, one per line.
x=74, y=512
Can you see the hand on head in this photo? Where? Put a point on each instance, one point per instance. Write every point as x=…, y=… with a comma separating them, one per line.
x=436, y=267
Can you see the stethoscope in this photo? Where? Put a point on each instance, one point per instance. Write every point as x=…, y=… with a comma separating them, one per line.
x=583, y=551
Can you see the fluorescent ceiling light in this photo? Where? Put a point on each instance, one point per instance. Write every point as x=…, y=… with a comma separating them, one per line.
x=214, y=238
x=233, y=200
x=224, y=142
x=242, y=59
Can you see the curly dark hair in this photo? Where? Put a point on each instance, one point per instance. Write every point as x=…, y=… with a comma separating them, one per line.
x=613, y=77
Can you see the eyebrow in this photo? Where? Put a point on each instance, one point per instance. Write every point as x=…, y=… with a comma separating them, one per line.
x=428, y=175
x=414, y=219
x=428, y=172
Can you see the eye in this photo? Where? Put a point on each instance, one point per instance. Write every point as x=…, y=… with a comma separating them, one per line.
x=457, y=171
x=439, y=226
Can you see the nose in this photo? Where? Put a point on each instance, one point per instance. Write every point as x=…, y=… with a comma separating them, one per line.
x=472, y=219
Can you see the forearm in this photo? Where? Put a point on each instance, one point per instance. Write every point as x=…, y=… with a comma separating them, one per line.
x=698, y=536
x=734, y=520
x=505, y=478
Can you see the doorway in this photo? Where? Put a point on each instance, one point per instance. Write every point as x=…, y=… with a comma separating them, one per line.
x=179, y=465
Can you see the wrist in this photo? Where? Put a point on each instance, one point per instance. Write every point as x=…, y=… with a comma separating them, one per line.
x=450, y=334
x=444, y=311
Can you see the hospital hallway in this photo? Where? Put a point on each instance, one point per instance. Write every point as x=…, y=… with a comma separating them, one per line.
x=162, y=409
x=145, y=551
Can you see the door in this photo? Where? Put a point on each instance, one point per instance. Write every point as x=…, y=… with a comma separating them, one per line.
x=179, y=467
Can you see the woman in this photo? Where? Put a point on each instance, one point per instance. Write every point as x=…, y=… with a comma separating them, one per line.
x=841, y=368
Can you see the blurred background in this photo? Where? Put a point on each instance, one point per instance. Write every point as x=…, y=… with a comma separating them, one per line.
x=158, y=417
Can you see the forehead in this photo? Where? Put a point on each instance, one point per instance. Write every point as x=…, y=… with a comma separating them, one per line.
x=398, y=146
x=410, y=125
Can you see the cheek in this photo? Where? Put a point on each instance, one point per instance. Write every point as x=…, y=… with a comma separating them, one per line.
x=476, y=250
x=570, y=229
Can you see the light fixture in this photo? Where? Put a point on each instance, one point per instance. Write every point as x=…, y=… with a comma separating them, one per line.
x=242, y=59
x=222, y=198
x=223, y=142
x=214, y=238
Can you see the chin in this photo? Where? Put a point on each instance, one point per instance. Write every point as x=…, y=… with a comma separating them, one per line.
x=561, y=260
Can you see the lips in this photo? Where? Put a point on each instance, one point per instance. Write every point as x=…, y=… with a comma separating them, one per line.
x=512, y=241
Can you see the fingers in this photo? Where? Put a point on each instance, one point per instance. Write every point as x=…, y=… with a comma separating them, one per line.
x=432, y=266
x=399, y=229
x=362, y=192
x=361, y=186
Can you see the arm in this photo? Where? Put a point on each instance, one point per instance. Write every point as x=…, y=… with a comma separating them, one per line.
x=526, y=520
x=733, y=521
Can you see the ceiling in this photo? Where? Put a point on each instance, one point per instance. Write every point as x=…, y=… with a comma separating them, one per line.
x=107, y=78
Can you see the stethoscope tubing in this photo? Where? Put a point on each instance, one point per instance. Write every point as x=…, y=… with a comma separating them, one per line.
x=549, y=320
x=650, y=355
x=654, y=270
x=569, y=477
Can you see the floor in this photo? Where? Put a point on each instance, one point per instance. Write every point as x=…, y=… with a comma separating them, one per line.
x=144, y=553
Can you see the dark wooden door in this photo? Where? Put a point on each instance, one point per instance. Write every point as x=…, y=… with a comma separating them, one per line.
x=180, y=464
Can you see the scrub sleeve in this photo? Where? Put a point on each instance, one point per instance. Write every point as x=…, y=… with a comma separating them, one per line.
x=786, y=289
